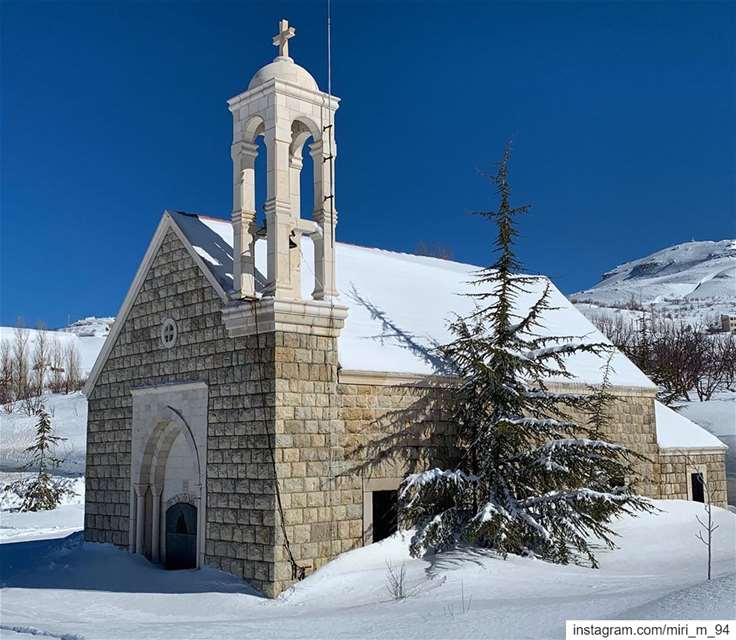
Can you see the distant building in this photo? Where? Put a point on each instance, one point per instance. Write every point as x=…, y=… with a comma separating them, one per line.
x=728, y=323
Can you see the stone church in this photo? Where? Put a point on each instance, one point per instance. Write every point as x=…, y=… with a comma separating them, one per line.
x=265, y=389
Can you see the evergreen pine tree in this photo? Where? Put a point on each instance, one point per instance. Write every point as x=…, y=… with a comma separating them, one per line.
x=42, y=492
x=528, y=478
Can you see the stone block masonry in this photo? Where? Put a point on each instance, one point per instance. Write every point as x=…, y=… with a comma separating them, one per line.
x=675, y=469
x=331, y=439
x=241, y=411
x=632, y=423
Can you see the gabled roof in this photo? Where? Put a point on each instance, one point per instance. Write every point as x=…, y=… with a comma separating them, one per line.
x=400, y=304
x=165, y=225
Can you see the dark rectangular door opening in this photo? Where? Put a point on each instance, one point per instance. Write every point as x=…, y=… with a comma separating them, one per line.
x=698, y=488
x=385, y=514
x=181, y=536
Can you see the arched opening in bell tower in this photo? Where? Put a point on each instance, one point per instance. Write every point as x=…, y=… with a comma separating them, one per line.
x=305, y=175
x=254, y=160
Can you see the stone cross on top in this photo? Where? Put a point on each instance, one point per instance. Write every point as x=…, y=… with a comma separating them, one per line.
x=282, y=39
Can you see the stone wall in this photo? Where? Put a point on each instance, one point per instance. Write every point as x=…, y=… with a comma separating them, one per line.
x=274, y=403
x=239, y=373
x=352, y=433
x=676, y=465
x=632, y=423
x=317, y=514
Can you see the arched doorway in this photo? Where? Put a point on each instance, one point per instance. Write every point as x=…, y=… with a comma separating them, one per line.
x=168, y=446
x=181, y=536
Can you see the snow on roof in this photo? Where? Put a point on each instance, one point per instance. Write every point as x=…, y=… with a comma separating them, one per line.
x=675, y=431
x=399, y=304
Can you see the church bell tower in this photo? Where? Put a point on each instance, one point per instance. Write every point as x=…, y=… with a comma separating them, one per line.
x=291, y=330
x=284, y=105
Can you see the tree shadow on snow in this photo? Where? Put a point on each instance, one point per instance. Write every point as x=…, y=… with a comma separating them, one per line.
x=413, y=436
x=71, y=563
x=458, y=558
x=424, y=348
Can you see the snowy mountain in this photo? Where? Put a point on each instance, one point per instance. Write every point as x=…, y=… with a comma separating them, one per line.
x=693, y=281
x=90, y=327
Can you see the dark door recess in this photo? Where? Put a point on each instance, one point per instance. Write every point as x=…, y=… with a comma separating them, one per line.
x=698, y=488
x=385, y=514
x=181, y=536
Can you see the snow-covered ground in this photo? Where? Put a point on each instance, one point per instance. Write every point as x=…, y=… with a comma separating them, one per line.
x=694, y=282
x=59, y=523
x=62, y=587
x=69, y=420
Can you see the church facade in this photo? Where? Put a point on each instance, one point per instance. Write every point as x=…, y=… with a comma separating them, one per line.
x=264, y=390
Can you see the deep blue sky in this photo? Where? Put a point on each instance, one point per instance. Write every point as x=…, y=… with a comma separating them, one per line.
x=622, y=117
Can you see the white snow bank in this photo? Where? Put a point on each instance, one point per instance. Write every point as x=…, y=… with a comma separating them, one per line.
x=101, y=593
x=712, y=600
x=675, y=431
x=400, y=304
x=48, y=525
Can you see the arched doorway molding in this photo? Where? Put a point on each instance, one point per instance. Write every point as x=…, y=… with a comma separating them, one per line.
x=162, y=418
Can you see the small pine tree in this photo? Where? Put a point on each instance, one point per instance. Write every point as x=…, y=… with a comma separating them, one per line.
x=42, y=493
x=528, y=478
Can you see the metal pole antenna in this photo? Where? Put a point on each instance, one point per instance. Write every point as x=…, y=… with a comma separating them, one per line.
x=331, y=159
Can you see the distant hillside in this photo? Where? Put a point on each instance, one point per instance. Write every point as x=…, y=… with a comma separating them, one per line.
x=88, y=334
x=694, y=282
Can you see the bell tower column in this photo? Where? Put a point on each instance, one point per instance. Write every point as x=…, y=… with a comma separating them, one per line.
x=295, y=239
x=279, y=223
x=323, y=154
x=244, y=156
